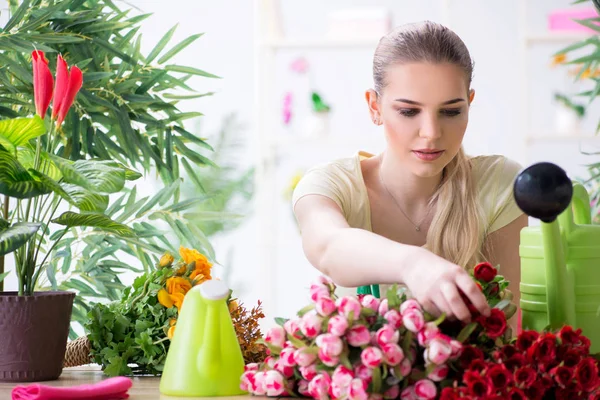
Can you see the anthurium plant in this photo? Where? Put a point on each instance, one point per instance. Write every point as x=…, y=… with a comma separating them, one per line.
x=39, y=184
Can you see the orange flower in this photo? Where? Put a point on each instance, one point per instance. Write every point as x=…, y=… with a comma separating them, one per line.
x=181, y=270
x=178, y=300
x=202, y=265
x=177, y=284
x=171, y=332
x=559, y=59
x=164, y=298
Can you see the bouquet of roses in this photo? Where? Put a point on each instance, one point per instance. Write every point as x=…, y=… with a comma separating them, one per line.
x=362, y=347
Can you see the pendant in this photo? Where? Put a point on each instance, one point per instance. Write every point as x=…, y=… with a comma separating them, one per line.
x=418, y=229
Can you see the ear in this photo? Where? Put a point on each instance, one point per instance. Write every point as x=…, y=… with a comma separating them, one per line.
x=373, y=104
x=471, y=96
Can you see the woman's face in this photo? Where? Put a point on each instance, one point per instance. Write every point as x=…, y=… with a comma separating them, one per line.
x=424, y=110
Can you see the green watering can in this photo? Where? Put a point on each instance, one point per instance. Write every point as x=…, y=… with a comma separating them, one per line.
x=204, y=358
x=560, y=259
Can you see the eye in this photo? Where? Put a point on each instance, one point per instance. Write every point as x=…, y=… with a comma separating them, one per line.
x=408, y=112
x=451, y=112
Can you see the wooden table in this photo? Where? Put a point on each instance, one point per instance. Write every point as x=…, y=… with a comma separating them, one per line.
x=144, y=388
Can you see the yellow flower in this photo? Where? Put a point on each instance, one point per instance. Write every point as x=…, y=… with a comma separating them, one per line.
x=202, y=265
x=178, y=300
x=177, y=284
x=166, y=260
x=181, y=270
x=164, y=298
x=171, y=332
x=559, y=59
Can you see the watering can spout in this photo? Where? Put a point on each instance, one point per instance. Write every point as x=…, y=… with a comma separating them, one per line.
x=544, y=191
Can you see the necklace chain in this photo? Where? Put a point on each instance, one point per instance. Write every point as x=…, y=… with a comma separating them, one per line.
x=417, y=227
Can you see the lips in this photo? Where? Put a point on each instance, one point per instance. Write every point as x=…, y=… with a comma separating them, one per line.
x=428, y=154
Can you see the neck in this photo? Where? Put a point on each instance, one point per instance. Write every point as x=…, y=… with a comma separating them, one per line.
x=411, y=191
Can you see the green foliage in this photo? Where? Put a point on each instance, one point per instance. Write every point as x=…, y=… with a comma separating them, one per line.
x=133, y=330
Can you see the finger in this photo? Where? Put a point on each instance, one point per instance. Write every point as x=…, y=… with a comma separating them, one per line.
x=455, y=302
x=444, y=307
x=431, y=308
x=470, y=289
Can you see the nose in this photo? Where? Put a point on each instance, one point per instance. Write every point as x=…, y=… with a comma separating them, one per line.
x=430, y=129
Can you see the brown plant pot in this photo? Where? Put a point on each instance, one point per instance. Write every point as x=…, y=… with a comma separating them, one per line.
x=33, y=335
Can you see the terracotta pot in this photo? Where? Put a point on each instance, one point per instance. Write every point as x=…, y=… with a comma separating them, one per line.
x=33, y=335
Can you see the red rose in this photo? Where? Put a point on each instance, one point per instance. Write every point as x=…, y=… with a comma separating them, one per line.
x=449, y=393
x=568, y=336
x=515, y=394
x=526, y=339
x=477, y=365
x=516, y=361
x=499, y=376
x=468, y=354
x=562, y=375
x=536, y=391
x=525, y=376
x=478, y=385
x=495, y=324
x=585, y=343
x=586, y=374
x=485, y=272
x=570, y=392
x=493, y=289
x=571, y=357
x=543, y=351
x=508, y=351
x=595, y=395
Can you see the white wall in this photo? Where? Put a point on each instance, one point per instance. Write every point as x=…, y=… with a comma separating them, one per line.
x=490, y=30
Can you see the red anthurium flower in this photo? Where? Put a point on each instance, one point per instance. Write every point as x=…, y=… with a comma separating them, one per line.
x=75, y=82
x=62, y=81
x=42, y=82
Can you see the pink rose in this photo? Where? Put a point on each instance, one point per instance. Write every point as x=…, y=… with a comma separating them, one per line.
x=303, y=358
x=357, y=390
x=258, y=386
x=292, y=327
x=251, y=367
x=337, y=325
x=425, y=389
x=409, y=393
x=375, y=396
x=287, y=356
x=371, y=357
x=331, y=344
x=387, y=334
x=392, y=393
x=303, y=388
x=318, y=290
x=429, y=331
x=270, y=362
x=318, y=387
x=410, y=304
x=274, y=383
x=392, y=354
x=325, y=280
x=328, y=359
x=394, y=318
x=349, y=305
x=309, y=372
x=363, y=372
x=311, y=324
x=370, y=301
x=275, y=336
x=439, y=373
x=285, y=370
x=340, y=382
x=325, y=306
x=405, y=367
x=439, y=351
x=383, y=307
x=456, y=349
x=358, y=335
x=247, y=381
x=413, y=320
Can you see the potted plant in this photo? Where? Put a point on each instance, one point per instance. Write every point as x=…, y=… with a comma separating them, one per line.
x=41, y=187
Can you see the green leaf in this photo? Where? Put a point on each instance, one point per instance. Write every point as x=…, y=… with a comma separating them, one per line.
x=4, y=275
x=178, y=47
x=376, y=380
x=3, y=224
x=95, y=175
x=17, y=16
x=466, y=332
x=280, y=321
x=71, y=219
x=16, y=236
x=15, y=181
x=19, y=131
x=189, y=70
x=186, y=96
x=26, y=156
x=162, y=43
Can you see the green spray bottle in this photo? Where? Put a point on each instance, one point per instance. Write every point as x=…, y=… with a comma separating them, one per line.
x=205, y=358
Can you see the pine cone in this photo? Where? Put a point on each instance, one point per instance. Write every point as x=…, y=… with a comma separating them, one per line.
x=78, y=353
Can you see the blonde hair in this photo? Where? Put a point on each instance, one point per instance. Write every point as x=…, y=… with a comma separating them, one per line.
x=457, y=232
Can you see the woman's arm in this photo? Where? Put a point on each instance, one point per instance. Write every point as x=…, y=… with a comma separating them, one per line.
x=355, y=257
x=504, y=252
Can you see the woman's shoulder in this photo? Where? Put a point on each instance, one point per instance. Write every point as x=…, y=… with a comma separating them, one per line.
x=489, y=168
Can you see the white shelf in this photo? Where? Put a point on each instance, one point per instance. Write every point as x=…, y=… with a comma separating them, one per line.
x=316, y=43
x=557, y=37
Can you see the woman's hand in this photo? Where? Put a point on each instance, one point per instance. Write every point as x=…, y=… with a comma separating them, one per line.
x=437, y=285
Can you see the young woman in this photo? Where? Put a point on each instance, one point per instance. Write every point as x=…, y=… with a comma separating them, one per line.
x=421, y=212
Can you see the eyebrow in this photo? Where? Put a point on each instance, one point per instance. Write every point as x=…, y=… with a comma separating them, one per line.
x=453, y=101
